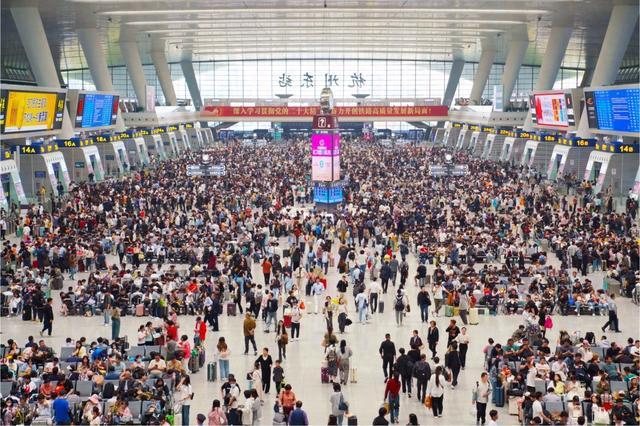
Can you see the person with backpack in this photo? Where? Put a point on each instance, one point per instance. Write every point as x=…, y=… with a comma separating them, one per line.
x=332, y=362
x=399, y=306
x=230, y=392
x=422, y=373
x=404, y=367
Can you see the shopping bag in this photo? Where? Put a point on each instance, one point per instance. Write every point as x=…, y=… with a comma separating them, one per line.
x=427, y=401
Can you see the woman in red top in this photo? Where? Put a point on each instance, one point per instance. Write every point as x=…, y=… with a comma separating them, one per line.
x=392, y=396
x=200, y=331
x=172, y=330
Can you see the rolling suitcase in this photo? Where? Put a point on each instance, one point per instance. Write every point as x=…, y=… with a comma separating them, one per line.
x=448, y=311
x=381, y=306
x=286, y=253
x=352, y=420
x=324, y=374
x=194, y=364
x=212, y=372
x=473, y=316
x=140, y=310
x=246, y=415
x=513, y=405
x=231, y=309
x=498, y=396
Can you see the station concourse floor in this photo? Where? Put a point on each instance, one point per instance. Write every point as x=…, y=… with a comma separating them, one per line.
x=302, y=366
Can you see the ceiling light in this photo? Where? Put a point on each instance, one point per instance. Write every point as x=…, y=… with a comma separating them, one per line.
x=358, y=21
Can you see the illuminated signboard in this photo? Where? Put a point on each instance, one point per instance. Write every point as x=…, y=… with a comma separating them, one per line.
x=614, y=110
x=96, y=110
x=30, y=111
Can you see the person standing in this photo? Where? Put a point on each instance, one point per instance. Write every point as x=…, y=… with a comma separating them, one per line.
x=249, y=329
x=482, y=391
x=182, y=397
x=338, y=404
x=317, y=289
x=416, y=341
x=200, y=332
x=387, y=352
x=298, y=416
x=452, y=361
x=47, y=317
x=613, y=315
x=433, y=336
x=464, y=306
x=362, y=305
x=266, y=271
x=223, y=358
x=435, y=389
x=452, y=332
x=115, y=323
x=296, y=317
x=392, y=396
x=265, y=362
x=463, y=346
x=438, y=297
x=344, y=354
x=374, y=292
x=107, y=304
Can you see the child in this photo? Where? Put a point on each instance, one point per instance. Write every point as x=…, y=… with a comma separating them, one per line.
x=278, y=376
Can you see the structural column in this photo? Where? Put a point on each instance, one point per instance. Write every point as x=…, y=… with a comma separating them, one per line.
x=34, y=40
x=162, y=70
x=554, y=54
x=482, y=74
x=89, y=38
x=619, y=32
x=192, y=83
x=515, y=56
x=131, y=56
x=454, y=78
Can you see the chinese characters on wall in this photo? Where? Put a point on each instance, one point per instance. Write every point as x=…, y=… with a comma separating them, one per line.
x=308, y=80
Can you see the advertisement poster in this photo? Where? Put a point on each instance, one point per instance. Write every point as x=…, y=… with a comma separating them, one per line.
x=30, y=111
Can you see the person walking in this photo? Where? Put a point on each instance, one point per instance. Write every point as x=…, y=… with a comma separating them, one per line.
x=465, y=302
x=223, y=358
x=344, y=355
x=433, y=336
x=338, y=404
x=404, y=368
x=399, y=306
x=257, y=378
x=317, y=289
x=452, y=361
x=265, y=362
x=435, y=389
x=463, y=346
x=612, y=323
x=424, y=301
x=249, y=329
x=392, y=396
x=296, y=317
x=481, y=397
x=374, y=291
x=362, y=305
x=387, y=352
x=422, y=373
x=47, y=318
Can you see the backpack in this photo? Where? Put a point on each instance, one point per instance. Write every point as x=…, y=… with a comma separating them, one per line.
x=332, y=356
x=399, y=304
x=108, y=391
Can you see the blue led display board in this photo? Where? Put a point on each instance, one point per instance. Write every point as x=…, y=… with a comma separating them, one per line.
x=614, y=110
x=96, y=110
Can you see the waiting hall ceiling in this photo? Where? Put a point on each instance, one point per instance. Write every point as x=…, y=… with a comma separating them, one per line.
x=365, y=29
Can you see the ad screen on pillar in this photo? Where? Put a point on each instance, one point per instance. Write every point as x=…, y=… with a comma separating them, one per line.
x=551, y=109
x=96, y=110
x=325, y=157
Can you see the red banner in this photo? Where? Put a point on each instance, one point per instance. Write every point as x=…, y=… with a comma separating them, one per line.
x=424, y=112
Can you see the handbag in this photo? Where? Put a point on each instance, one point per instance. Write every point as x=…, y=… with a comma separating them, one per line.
x=427, y=401
x=342, y=406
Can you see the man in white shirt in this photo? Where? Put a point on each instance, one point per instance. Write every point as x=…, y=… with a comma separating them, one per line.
x=537, y=410
x=374, y=289
x=316, y=291
x=493, y=421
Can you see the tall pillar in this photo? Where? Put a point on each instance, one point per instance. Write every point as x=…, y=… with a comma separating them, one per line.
x=515, y=56
x=552, y=60
x=89, y=38
x=454, y=78
x=162, y=70
x=131, y=56
x=192, y=83
x=34, y=40
x=482, y=74
x=616, y=40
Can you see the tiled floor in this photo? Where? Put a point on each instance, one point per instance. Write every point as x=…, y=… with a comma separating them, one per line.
x=302, y=366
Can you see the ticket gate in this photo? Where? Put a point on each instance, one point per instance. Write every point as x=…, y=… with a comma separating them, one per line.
x=114, y=158
x=137, y=153
x=84, y=162
x=478, y=148
x=170, y=144
x=536, y=155
x=567, y=160
x=154, y=146
x=439, y=136
x=11, y=191
x=461, y=139
x=195, y=138
x=470, y=141
x=451, y=137
x=48, y=171
x=611, y=170
x=184, y=139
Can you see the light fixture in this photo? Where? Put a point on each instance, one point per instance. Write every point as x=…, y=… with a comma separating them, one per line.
x=356, y=22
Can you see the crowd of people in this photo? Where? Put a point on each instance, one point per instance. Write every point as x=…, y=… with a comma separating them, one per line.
x=163, y=245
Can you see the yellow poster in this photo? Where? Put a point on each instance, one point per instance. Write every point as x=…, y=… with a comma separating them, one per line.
x=30, y=111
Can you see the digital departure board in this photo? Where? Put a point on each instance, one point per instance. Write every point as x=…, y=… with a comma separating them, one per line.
x=26, y=111
x=614, y=110
x=96, y=110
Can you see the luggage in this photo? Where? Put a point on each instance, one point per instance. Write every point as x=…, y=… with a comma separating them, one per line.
x=448, y=311
x=498, y=396
x=352, y=420
x=324, y=374
x=353, y=375
x=481, y=311
x=381, y=306
x=286, y=253
x=287, y=320
x=231, y=309
x=26, y=313
x=456, y=311
x=140, y=310
x=201, y=357
x=212, y=372
x=194, y=364
x=307, y=289
x=245, y=415
x=473, y=316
